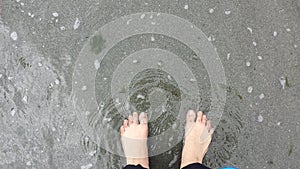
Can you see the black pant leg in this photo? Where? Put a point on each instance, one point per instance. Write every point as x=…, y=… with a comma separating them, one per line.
x=195, y=166
x=191, y=166
x=134, y=167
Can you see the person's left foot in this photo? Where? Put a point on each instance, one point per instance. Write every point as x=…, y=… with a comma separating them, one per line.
x=134, y=134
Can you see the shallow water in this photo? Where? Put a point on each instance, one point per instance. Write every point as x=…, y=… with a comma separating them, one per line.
x=71, y=71
x=156, y=92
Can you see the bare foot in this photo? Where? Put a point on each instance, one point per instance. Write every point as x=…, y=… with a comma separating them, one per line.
x=197, y=138
x=134, y=134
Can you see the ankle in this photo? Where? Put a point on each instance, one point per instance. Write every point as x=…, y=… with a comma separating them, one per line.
x=136, y=161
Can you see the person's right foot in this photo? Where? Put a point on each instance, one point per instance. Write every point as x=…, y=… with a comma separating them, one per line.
x=134, y=134
x=198, y=136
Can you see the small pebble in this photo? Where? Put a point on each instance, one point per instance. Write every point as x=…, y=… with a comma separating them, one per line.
x=56, y=81
x=62, y=28
x=259, y=57
x=193, y=80
x=25, y=99
x=92, y=153
x=28, y=163
x=14, y=35
x=186, y=6
x=22, y=4
x=128, y=22
x=228, y=56
x=274, y=33
x=248, y=64
x=227, y=12
x=86, y=166
x=254, y=43
x=142, y=16
x=288, y=29
x=261, y=96
x=76, y=24
x=278, y=124
x=139, y=96
x=282, y=82
x=152, y=39
x=211, y=10
x=163, y=108
x=250, y=89
x=260, y=118
x=97, y=64
x=13, y=112
x=159, y=63
x=211, y=38
x=135, y=61
x=83, y=88
x=250, y=29
x=0, y=76
x=55, y=14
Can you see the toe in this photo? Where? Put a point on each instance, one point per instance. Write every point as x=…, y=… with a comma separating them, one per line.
x=125, y=123
x=199, y=117
x=204, y=119
x=130, y=120
x=190, y=116
x=190, y=120
x=211, y=131
x=143, y=118
x=135, y=118
x=122, y=130
x=208, y=125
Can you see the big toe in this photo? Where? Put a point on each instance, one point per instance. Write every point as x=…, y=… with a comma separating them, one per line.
x=190, y=116
x=190, y=120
